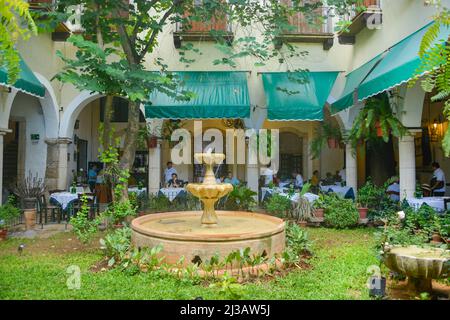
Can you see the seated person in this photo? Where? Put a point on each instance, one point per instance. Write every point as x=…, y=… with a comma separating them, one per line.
x=221, y=179
x=438, y=183
x=337, y=177
x=393, y=190
x=315, y=181
x=298, y=180
x=276, y=180
x=230, y=179
x=175, y=182
x=329, y=180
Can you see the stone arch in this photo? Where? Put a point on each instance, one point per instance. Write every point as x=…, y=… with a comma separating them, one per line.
x=73, y=110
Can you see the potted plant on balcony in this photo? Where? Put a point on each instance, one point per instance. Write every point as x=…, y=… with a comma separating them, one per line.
x=376, y=120
x=327, y=133
x=29, y=190
x=8, y=212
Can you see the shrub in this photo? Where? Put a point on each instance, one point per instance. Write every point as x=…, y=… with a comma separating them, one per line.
x=116, y=244
x=376, y=199
x=297, y=239
x=278, y=204
x=119, y=210
x=83, y=227
x=340, y=213
x=8, y=212
x=240, y=198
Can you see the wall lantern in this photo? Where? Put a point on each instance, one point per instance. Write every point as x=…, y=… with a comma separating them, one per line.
x=435, y=130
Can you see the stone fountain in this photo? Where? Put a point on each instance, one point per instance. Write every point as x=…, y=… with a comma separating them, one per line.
x=420, y=265
x=199, y=235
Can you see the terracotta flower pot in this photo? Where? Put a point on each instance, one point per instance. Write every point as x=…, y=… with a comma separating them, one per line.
x=152, y=142
x=333, y=143
x=363, y=213
x=436, y=238
x=3, y=234
x=30, y=218
x=302, y=224
x=319, y=213
x=379, y=129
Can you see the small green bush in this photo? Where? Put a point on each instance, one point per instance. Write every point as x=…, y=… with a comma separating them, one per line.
x=278, y=204
x=116, y=244
x=340, y=213
x=83, y=227
x=8, y=212
x=297, y=239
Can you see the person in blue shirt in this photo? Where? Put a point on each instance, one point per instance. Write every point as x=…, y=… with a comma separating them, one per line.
x=230, y=179
x=92, y=177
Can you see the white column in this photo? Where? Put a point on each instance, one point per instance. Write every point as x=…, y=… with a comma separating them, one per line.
x=407, y=166
x=252, y=172
x=351, y=168
x=2, y=133
x=154, y=169
x=63, y=144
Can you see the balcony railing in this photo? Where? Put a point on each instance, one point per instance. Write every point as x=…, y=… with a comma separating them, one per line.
x=321, y=25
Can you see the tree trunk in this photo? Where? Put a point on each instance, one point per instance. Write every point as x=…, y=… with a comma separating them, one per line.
x=108, y=114
x=129, y=151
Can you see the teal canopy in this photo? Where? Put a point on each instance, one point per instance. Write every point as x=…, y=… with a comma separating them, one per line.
x=352, y=82
x=27, y=81
x=297, y=95
x=218, y=94
x=399, y=64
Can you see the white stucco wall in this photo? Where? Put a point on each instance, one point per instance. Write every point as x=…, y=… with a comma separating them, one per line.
x=27, y=108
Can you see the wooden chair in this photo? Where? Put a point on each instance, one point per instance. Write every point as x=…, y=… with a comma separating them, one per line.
x=91, y=203
x=44, y=208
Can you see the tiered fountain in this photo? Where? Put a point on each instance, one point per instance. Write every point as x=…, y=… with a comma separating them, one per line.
x=197, y=235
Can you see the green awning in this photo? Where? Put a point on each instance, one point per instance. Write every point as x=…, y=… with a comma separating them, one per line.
x=297, y=95
x=352, y=81
x=27, y=81
x=399, y=64
x=218, y=94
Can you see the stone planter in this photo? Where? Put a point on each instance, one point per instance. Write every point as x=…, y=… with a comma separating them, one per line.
x=30, y=218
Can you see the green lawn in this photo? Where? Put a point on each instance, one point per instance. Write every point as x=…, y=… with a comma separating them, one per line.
x=338, y=272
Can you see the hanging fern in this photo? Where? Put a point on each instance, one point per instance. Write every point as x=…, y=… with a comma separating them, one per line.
x=435, y=60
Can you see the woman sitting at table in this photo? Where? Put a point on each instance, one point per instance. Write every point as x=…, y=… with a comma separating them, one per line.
x=175, y=182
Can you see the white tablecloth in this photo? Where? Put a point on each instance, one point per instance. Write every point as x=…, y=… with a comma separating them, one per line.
x=436, y=203
x=137, y=191
x=64, y=198
x=342, y=191
x=310, y=196
x=266, y=191
x=171, y=193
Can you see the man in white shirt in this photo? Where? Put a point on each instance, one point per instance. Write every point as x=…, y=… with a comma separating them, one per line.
x=298, y=179
x=438, y=181
x=169, y=171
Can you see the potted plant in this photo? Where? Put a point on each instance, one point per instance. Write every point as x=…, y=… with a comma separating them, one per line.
x=29, y=190
x=326, y=133
x=319, y=206
x=376, y=120
x=365, y=196
x=8, y=212
x=303, y=210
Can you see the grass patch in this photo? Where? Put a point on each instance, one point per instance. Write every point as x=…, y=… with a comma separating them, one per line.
x=338, y=271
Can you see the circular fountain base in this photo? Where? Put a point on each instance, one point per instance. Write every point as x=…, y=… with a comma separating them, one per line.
x=182, y=235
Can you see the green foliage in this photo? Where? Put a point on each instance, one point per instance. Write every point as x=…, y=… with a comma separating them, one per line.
x=302, y=209
x=119, y=210
x=83, y=227
x=16, y=23
x=241, y=198
x=278, y=204
x=323, y=132
x=8, y=212
x=340, y=213
x=297, y=239
x=229, y=288
x=376, y=199
x=376, y=112
x=116, y=244
x=426, y=220
x=434, y=55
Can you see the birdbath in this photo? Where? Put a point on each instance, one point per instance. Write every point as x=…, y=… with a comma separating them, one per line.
x=420, y=265
x=209, y=192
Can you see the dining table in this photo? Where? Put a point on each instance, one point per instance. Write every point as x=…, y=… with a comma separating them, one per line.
x=172, y=193
x=437, y=203
x=64, y=198
x=343, y=191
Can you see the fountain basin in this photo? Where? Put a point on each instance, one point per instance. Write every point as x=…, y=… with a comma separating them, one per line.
x=182, y=235
x=420, y=265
